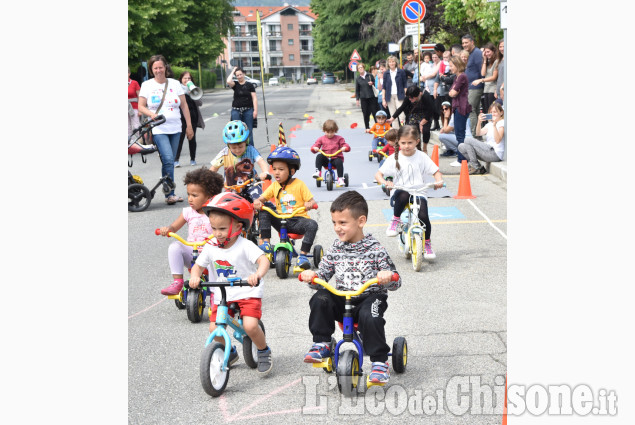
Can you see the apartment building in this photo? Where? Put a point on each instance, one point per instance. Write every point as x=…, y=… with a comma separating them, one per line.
x=287, y=41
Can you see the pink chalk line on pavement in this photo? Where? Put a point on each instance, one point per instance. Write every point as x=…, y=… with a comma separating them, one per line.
x=147, y=308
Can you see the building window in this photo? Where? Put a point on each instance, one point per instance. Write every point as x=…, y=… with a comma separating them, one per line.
x=290, y=42
x=272, y=46
x=291, y=57
x=254, y=45
x=290, y=26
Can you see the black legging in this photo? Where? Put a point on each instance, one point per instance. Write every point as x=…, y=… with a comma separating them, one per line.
x=192, y=144
x=488, y=99
x=401, y=198
x=322, y=161
x=369, y=107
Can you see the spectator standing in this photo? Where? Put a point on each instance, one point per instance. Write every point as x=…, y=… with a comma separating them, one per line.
x=245, y=103
x=431, y=76
x=161, y=95
x=489, y=70
x=473, y=72
x=394, y=86
x=456, y=49
x=409, y=67
x=379, y=82
x=501, y=69
x=196, y=119
x=460, y=104
x=364, y=94
x=133, y=104
x=446, y=79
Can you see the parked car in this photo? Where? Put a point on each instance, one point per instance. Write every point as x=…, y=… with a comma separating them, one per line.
x=253, y=81
x=311, y=80
x=273, y=81
x=328, y=78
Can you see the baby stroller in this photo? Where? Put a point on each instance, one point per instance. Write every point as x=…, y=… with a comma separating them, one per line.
x=139, y=196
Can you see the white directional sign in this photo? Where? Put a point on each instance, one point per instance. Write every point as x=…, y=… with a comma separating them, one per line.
x=504, y=15
x=411, y=29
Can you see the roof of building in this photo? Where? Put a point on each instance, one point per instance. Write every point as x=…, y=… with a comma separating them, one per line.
x=249, y=12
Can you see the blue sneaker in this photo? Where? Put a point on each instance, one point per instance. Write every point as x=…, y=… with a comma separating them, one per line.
x=379, y=373
x=266, y=247
x=264, y=361
x=303, y=262
x=318, y=353
x=233, y=355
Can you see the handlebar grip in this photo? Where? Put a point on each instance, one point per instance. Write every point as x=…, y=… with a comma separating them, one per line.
x=395, y=277
x=157, y=232
x=315, y=206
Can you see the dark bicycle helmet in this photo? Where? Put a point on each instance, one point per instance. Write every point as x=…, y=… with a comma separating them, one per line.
x=232, y=204
x=286, y=154
x=235, y=132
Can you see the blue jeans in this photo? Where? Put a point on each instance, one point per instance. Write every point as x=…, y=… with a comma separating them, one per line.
x=246, y=116
x=376, y=140
x=167, y=144
x=460, y=122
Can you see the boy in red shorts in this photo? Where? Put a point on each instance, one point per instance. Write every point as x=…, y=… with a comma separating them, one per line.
x=228, y=254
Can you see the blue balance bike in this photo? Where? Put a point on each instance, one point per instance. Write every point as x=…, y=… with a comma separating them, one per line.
x=329, y=173
x=192, y=300
x=348, y=364
x=214, y=368
x=284, y=251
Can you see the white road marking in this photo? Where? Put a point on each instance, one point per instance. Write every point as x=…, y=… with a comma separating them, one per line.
x=487, y=219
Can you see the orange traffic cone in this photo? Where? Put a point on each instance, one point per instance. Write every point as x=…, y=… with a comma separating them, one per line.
x=435, y=155
x=465, y=190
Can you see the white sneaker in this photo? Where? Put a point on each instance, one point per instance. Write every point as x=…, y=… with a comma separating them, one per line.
x=340, y=182
x=316, y=174
x=455, y=164
x=176, y=164
x=392, y=230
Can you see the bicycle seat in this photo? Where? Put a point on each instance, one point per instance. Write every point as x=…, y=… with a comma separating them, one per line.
x=233, y=309
x=294, y=236
x=341, y=325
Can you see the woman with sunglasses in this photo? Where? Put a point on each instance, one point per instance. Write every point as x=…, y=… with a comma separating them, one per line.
x=446, y=134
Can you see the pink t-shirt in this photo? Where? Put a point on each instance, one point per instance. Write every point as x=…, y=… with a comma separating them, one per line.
x=133, y=87
x=198, y=225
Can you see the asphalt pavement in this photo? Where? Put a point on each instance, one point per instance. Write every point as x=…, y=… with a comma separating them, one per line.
x=452, y=312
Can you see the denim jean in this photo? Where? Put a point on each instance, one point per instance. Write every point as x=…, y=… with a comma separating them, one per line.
x=460, y=122
x=246, y=116
x=167, y=144
x=376, y=141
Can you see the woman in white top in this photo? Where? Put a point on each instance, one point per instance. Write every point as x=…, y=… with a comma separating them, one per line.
x=167, y=93
x=492, y=149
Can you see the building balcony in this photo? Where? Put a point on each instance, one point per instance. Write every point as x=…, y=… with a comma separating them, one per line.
x=305, y=33
x=306, y=63
x=306, y=50
x=275, y=53
x=274, y=35
x=245, y=35
x=247, y=54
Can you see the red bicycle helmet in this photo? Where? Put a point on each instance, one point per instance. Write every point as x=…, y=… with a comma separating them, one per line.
x=232, y=204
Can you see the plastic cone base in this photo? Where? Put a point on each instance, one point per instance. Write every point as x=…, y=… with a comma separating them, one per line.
x=465, y=190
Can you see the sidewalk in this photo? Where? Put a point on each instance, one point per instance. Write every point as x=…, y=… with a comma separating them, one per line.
x=342, y=108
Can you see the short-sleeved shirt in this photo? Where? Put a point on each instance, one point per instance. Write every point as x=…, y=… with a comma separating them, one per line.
x=198, y=225
x=239, y=260
x=411, y=170
x=294, y=195
x=237, y=169
x=171, y=108
x=499, y=148
x=242, y=95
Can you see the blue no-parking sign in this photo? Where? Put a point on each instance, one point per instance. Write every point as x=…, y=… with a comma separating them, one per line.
x=413, y=11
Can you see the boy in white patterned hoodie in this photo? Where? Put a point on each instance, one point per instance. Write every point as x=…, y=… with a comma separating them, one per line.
x=353, y=259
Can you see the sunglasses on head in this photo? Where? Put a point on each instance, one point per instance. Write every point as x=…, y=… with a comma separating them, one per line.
x=445, y=108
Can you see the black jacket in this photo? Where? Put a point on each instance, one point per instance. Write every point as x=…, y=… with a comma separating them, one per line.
x=362, y=89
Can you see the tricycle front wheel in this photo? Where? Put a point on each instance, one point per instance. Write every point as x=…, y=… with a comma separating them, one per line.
x=282, y=263
x=194, y=304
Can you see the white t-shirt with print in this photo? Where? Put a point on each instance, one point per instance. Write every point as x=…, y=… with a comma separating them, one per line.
x=171, y=108
x=411, y=170
x=499, y=148
x=237, y=261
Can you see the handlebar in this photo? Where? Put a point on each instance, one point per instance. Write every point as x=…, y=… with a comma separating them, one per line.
x=298, y=210
x=329, y=154
x=239, y=187
x=381, y=152
x=231, y=281
x=183, y=241
x=415, y=189
x=378, y=134
x=145, y=128
x=326, y=285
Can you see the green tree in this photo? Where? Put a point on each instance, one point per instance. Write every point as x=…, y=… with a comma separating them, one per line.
x=184, y=31
x=476, y=17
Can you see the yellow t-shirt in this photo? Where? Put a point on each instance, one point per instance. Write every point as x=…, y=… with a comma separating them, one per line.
x=293, y=196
